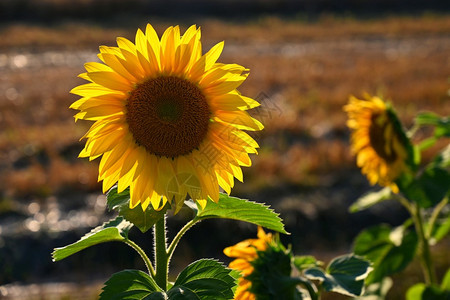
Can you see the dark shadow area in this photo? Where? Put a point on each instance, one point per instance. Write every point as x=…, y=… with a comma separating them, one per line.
x=48, y=11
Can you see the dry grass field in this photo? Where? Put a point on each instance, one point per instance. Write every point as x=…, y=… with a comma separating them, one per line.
x=302, y=73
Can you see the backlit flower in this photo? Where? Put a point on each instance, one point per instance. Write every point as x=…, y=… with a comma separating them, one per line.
x=168, y=120
x=245, y=252
x=377, y=140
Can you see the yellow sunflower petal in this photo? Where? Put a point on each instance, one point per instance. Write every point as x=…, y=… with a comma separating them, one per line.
x=375, y=140
x=206, y=61
x=239, y=119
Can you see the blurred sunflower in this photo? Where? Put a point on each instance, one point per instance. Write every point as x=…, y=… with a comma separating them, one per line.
x=246, y=252
x=168, y=120
x=377, y=140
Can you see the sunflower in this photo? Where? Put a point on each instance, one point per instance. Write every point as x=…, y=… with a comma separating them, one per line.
x=168, y=120
x=246, y=252
x=377, y=140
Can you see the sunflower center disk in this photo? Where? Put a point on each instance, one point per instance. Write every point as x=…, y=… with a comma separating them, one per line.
x=167, y=115
x=382, y=144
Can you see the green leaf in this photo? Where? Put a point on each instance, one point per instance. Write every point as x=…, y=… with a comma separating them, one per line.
x=144, y=220
x=432, y=185
x=241, y=210
x=305, y=262
x=390, y=251
x=421, y=291
x=442, y=160
x=131, y=284
x=415, y=292
x=441, y=124
x=445, y=285
x=344, y=275
x=435, y=185
x=377, y=290
x=115, y=200
x=114, y=230
x=207, y=279
x=441, y=229
x=427, y=143
x=371, y=199
x=179, y=293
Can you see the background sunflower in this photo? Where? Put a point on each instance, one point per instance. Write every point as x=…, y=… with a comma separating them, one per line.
x=379, y=143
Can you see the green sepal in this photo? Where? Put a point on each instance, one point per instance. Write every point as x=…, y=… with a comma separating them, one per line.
x=241, y=210
x=114, y=230
x=389, y=250
x=371, y=199
x=144, y=220
x=131, y=284
x=344, y=275
x=271, y=275
x=412, y=160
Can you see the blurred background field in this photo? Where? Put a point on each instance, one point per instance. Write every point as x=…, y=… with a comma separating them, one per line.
x=305, y=59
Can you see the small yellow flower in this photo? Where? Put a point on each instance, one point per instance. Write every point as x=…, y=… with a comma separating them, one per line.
x=245, y=252
x=376, y=141
x=168, y=120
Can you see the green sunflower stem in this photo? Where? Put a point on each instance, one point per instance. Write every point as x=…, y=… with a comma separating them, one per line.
x=434, y=216
x=161, y=255
x=424, y=242
x=424, y=247
x=179, y=235
x=144, y=256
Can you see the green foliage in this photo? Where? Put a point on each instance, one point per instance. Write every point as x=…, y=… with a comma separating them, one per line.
x=114, y=230
x=421, y=291
x=389, y=250
x=371, y=199
x=412, y=159
x=305, y=262
x=441, y=128
x=445, y=285
x=227, y=208
x=344, y=275
x=208, y=279
x=432, y=185
x=241, y=210
x=441, y=229
x=377, y=290
x=271, y=277
x=205, y=279
x=131, y=284
x=441, y=124
x=144, y=220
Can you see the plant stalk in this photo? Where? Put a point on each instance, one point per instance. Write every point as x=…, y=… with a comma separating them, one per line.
x=424, y=247
x=177, y=238
x=144, y=256
x=437, y=210
x=161, y=257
